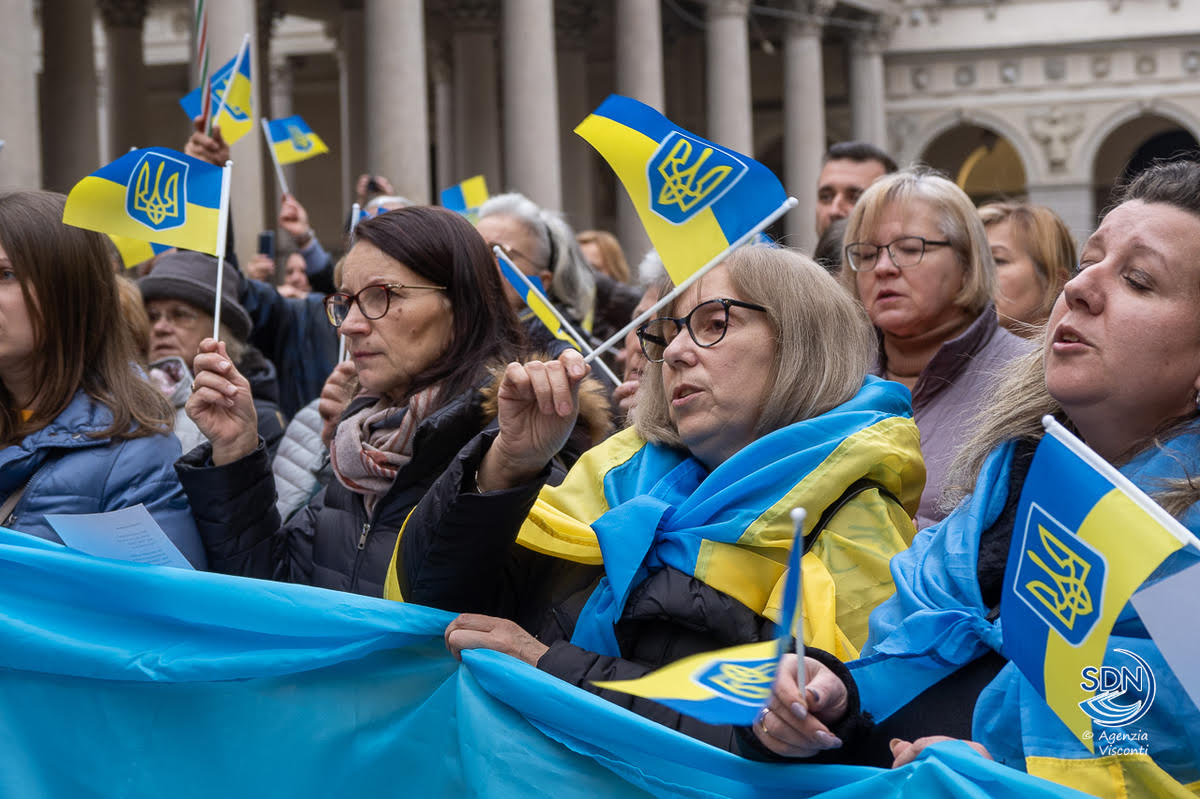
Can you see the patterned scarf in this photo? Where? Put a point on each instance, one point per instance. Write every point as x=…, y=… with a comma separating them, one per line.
x=371, y=446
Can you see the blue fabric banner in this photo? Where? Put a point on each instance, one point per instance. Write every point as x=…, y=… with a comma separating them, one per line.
x=129, y=680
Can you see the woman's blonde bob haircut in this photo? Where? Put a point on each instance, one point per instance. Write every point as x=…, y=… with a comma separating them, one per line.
x=824, y=342
x=957, y=222
x=1049, y=244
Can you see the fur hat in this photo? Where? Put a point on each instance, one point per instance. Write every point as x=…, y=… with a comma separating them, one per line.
x=191, y=277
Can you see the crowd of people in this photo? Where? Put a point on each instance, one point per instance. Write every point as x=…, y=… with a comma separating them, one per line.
x=463, y=457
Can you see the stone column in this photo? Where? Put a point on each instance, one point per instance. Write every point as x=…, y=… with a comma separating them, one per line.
x=279, y=105
x=125, y=74
x=803, y=123
x=575, y=19
x=352, y=91
x=729, y=97
x=268, y=12
x=531, y=147
x=476, y=111
x=445, y=172
x=228, y=22
x=639, y=47
x=21, y=156
x=868, y=120
x=70, y=127
x=397, y=108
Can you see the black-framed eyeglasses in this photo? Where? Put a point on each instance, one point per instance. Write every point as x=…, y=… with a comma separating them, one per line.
x=905, y=251
x=373, y=301
x=707, y=324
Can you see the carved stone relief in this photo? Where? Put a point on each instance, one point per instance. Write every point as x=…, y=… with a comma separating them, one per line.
x=1055, y=130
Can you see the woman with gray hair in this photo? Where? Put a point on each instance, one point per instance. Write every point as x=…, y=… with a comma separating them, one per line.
x=671, y=538
x=918, y=258
x=542, y=245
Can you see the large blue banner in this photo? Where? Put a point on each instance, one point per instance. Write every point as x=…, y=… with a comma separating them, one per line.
x=121, y=679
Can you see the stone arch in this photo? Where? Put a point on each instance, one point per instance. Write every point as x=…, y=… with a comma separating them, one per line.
x=1089, y=148
x=920, y=143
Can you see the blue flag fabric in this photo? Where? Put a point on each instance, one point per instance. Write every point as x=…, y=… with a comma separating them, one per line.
x=143, y=681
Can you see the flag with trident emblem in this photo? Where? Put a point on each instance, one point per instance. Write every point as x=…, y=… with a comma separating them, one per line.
x=695, y=198
x=155, y=195
x=1085, y=538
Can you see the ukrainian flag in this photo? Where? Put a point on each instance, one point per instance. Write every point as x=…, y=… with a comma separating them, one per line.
x=696, y=199
x=538, y=303
x=728, y=686
x=1084, y=540
x=134, y=252
x=467, y=196
x=293, y=140
x=153, y=194
x=237, y=118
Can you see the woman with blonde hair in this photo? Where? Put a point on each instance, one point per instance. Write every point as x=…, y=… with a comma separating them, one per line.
x=1034, y=254
x=917, y=256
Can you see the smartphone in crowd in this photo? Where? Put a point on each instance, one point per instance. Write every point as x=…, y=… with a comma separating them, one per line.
x=266, y=243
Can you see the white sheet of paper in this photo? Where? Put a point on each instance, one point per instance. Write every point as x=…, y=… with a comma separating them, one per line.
x=126, y=534
x=1164, y=608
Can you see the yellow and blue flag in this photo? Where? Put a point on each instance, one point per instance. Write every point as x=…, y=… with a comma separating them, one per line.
x=538, y=303
x=696, y=199
x=153, y=194
x=293, y=140
x=1084, y=540
x=466, y=197
x=133, y=251
x=728, y=686
x=237, y=117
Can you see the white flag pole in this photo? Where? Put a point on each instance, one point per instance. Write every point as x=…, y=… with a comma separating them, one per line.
x=562, y=320
x=222, y=233
x=798, y=515
x=619, y=336
x=266, y=129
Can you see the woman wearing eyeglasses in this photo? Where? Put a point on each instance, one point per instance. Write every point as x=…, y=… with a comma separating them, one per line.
x=918, y=258
x=424, y=318
x=671, y=537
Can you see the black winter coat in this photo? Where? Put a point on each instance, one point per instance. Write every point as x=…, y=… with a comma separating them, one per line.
x=331, y=543
x=459, y=553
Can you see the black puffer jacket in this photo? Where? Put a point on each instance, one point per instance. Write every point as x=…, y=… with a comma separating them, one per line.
x=458, y=553
x=331, y=543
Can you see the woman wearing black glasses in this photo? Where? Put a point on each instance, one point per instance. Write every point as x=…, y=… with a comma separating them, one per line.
x=424, y=319
x=917, y=256
x=671, y=538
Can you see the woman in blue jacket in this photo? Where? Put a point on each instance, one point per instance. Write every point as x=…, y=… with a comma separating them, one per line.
x=81, y=430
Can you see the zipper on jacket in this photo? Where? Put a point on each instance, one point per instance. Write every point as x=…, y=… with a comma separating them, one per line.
x=362, y=539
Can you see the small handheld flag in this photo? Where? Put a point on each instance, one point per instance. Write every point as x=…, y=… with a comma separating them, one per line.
x=697, y=200
x=466, y=197
x=544, y=310
x=231, y=94
x=733, y=685
x=292, y=140
x=154, y=194
x=1085, y=538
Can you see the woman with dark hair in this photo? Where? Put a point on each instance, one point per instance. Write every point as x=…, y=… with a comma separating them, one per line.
x=81, y=431
x=424, y=318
